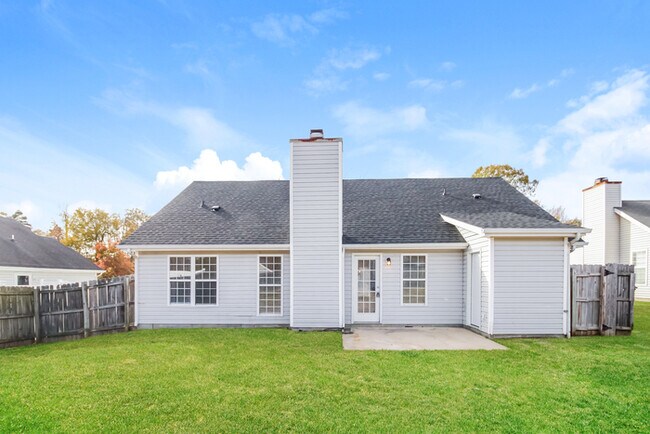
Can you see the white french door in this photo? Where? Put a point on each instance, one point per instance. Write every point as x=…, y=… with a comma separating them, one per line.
x=365, y=288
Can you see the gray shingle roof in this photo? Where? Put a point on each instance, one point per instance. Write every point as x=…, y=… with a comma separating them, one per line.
x=639, y=210
x=375, y=211
x=31, y=250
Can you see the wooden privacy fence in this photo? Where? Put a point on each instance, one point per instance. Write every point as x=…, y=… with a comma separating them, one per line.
x=602, y=299
x=66, y=311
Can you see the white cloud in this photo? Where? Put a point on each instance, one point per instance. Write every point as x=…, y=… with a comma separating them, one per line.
x=433, y=85
x=328, y=75
x=538, y=155
x=202, y=128
x=381, y=76
x=363, y=121
x=283, y=29
x=208, y=167
x=325, y=84
x=609, y=136
x=491, y=141
x=519, y=93
x=326, y=16
x=447, y=66
x=626, y=97
x=280, y=29
x=349, y=58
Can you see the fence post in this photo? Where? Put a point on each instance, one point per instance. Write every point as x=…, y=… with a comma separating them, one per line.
x=84, y=298
x=37, y=315
x=126, y=290
x=610, y=289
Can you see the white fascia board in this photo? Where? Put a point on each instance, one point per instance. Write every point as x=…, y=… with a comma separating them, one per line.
x=21, y=269
x=534, y=232
x=204, y=247
x=516, y=232
x=631, y=219
x=406, y=246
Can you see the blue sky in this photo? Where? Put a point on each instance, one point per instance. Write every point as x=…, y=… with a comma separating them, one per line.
x=121, y=104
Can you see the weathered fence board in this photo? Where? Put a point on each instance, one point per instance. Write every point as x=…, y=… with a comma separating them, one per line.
x=602, y=299
x=16, y=314
x=66, y=311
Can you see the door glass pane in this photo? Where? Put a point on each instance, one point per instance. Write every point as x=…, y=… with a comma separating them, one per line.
x=366, y=286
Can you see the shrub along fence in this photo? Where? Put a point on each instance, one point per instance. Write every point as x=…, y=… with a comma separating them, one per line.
x=602, y=299
x=71, y=311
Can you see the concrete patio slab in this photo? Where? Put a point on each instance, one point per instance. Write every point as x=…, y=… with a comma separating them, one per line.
x=416, y=338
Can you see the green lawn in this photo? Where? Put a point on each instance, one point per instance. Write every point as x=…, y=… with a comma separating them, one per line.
x=278, y=380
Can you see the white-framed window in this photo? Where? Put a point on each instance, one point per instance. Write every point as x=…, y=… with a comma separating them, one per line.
x=193, y=280
x=269, y=287
x=414, y=279
x=23, y=279
x=640, y=262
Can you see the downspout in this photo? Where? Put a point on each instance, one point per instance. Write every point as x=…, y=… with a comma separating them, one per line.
x=566, y=313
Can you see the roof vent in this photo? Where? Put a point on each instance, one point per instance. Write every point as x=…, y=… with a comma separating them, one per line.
x=601, y=180
x=444, y=192
x=13, y=238
x=316, y=134
x=476, y=196
x=215, y=208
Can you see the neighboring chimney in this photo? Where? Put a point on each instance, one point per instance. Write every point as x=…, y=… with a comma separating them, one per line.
x=598, y=203
x=316, y=232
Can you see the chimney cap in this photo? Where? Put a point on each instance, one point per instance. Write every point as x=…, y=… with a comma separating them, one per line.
x=316, y=133
x=602, y=180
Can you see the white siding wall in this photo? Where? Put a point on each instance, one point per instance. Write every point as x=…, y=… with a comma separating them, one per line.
x=528, y=286
x=237, y=292
x=44, y=276
x=633, y=239
x=316, y=189
x=598, y=215
x=479, y=244
x=445, y=271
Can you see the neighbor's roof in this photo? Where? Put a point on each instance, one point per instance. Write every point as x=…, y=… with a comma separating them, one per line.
x=33, y=251
x=375, y=211
x=639, y=210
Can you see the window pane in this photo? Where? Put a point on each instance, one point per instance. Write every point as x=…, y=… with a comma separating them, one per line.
x=22, y=280
x=414, y=279
x=270, y=285
x=205, y=280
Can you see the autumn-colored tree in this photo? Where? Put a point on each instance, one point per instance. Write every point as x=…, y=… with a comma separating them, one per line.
x=560, y=214
x=84, y=228
x=133, y=219
x=55, y=232
x=112, y=260
x=516, y=177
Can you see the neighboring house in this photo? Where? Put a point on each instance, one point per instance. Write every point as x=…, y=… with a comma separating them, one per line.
x=320, y=252
x=620, y=231
x=27, y=259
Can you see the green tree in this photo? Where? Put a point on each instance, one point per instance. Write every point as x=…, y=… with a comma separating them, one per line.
x=19, y=216
x=516, y=177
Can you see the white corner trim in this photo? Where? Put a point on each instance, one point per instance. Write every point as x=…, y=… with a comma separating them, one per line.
x=631, y=219
x=205, y=247
x=291, y=287
x=491, y=289
x=566, y=317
